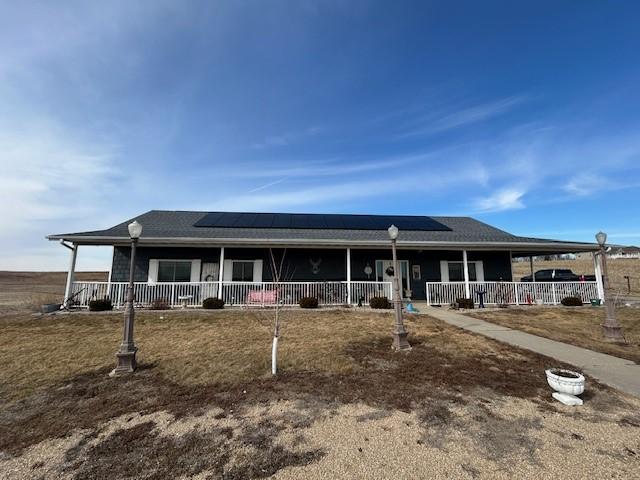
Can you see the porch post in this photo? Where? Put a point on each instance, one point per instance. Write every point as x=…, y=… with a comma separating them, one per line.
x=467, y=290
x=533, y=275
x=598, y=271
x=348, y=275
x=71, y=273
x=220, y=270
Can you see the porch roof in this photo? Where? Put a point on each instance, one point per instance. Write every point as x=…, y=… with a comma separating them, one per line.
x=178, y=228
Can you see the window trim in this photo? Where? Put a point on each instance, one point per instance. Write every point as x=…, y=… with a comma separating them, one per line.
x=154, y=264
x=444, y=270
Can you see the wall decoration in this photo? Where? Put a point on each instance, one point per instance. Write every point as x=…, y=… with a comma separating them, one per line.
x=315, y=265
x=368, y=270
x=415, y=272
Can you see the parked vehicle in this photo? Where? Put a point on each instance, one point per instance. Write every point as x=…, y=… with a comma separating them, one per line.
x=553, y=275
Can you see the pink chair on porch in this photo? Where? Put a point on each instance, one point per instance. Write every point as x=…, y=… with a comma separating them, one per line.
x=262, y=297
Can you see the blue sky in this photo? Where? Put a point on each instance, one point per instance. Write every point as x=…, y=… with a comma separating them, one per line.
x=525, y=116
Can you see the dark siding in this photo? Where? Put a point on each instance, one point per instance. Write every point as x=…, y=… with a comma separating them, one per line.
x=122, y=256
x=497, y=265
x=297, y=265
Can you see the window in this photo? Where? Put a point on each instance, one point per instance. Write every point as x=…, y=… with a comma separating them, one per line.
x=456, y=272
x=242, y=271
x=174, y=271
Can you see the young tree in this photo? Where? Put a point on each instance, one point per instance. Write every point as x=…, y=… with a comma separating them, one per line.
x=277, y=275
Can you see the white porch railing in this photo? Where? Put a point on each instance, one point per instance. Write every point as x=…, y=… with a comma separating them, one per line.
x=233, y=293
x=514, y=293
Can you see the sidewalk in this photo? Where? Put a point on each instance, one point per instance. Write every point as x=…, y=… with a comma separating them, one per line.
x=613, y=371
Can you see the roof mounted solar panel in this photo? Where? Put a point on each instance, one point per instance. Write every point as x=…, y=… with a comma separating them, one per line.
x=319, y=221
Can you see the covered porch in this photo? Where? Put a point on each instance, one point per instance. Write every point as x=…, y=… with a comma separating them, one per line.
x=241, y=276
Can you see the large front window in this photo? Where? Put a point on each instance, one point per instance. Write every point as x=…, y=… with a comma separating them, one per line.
x=242, y=271
x=174, y=271
x=456, y=272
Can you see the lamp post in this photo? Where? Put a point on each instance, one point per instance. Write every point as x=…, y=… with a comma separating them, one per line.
x=127, y=353
x=400, y=333
x=611, y=330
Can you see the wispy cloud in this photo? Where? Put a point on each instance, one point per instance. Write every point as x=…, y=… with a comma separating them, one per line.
x=288, y=138
x=504, y=199
x=333, y=167
x=334, y=195
x=464, y=116
x=589, y=183
x=50, y=175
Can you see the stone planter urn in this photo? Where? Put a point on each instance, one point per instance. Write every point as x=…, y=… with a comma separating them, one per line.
x=567, y=385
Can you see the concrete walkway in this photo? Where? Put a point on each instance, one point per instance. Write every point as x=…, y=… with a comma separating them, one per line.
x=613, y=371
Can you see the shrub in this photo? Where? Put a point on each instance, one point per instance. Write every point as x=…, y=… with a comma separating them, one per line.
x=160, y=304
x=379, y=302
x=213, y=303
x=465, y=302
x=308, y=302
x=572, y=302
x=100, y=305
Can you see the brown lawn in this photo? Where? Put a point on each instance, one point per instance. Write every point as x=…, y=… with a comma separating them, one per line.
x=575, y=325
x=26, y=291
x=344, y=405
x=204, y=404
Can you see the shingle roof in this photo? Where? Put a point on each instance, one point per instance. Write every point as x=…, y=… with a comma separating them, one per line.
x=175, y=225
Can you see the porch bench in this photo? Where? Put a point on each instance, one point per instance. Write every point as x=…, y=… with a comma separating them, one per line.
x=262, y=297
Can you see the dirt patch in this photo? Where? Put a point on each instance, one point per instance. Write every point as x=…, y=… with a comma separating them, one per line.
x=142, y=451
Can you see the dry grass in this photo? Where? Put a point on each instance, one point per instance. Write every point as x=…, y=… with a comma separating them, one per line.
x=618, y=268
x=26, y=291
x=343, y=405
x=203, y=347
x=204, y=401
x=578, y=326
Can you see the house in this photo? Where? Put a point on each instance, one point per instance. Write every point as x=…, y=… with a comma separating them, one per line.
x=186, y=256
x=624, y=252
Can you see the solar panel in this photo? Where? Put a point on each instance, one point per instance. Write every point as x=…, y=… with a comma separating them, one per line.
x=319, y=221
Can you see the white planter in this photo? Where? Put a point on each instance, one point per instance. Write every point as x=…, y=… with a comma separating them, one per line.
x=562, y=384
x=539, y=301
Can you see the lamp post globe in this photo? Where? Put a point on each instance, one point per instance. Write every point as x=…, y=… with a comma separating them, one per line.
x=601, y=238
x=135, y=230
x=393, y=232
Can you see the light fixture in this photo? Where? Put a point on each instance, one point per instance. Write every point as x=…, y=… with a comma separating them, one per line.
x=135, y=230
x=393, y=232
x=601, y=237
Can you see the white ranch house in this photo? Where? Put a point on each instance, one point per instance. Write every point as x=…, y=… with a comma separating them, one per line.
x=185, y=257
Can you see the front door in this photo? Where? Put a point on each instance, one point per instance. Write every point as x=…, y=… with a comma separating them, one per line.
x=381, y=274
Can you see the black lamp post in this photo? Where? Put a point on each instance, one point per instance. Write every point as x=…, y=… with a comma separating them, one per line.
x=400, y=333
x=611, y=330
x=127, y=353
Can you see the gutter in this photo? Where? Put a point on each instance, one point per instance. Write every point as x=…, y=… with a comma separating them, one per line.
x=262, y=242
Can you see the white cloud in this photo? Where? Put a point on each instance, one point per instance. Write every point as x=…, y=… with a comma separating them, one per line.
x=465, y=116
x=588, y=183
x=48, y=176
x=505, y=199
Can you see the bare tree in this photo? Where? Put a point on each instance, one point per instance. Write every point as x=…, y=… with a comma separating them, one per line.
x=277, y=276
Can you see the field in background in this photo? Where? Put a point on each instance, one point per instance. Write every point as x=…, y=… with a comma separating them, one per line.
x=618, y=268
x=20, y=291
